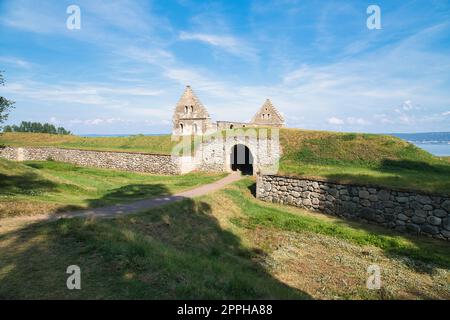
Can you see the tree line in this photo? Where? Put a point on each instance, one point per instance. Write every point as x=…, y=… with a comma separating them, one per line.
x=36, y=127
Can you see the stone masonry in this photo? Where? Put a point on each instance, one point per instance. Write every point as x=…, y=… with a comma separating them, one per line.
x=191, y=117
x=404, y=211
x=139, y=162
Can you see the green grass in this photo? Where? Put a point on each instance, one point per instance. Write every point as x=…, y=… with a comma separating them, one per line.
x=362, y=158
x=195, y=249
x=55, y=186
x=177, y=252
x=341, y=157
x=274, y=216
x=161, y=144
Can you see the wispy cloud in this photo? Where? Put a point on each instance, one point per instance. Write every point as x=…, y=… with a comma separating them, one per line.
x=76, y=93
x=228, y=43
x=334, y=120
x=127, y=59
x=16, y=61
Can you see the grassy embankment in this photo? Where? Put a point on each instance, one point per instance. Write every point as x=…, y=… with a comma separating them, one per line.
x=161, y=144
x=34, y=187
x=223, y=245
x=363, y=158
x=342, y=157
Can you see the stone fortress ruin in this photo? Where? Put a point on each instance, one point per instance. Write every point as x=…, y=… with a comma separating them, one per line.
x=227, y=145
x=191, y=117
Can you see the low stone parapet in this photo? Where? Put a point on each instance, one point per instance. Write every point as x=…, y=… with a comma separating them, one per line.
x=127, y=161
x=404, y=211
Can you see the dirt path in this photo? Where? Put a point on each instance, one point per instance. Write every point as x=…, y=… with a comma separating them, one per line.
x=123, y=209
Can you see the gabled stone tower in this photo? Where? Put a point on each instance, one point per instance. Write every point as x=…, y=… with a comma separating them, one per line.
x=190, y=116
x=268, y=115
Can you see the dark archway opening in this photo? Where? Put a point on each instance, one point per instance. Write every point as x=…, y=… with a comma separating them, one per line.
x=241, y=159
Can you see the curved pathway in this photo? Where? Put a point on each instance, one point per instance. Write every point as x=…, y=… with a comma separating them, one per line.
x=128, y=208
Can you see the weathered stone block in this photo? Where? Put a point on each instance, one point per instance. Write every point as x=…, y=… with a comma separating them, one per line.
x=333, y=192
x=446, y=205
x=402, y=199
x=439, y=213
x=446, y=223
x=434, y=220
x=363, y=194
x=413, y=227
x=367, y=213
x=430, y=229
x=365, y=203
x=423, y=199
x=418, y=220
x=383, y=195
x=420, y=213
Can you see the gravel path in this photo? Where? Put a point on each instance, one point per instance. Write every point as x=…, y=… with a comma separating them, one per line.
x=128, y=208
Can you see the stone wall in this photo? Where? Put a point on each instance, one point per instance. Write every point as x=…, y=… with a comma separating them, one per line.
x=213, y=154
x=139, y=162
x=411, y=212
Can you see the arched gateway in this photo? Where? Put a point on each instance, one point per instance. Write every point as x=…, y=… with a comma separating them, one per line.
x=241, y=159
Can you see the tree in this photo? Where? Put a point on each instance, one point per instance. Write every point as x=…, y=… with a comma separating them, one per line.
x=5, y=104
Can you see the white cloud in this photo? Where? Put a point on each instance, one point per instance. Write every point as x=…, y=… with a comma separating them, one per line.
x=228, y=43
x=53, y=120
x=89, y=94
x=447, y=113
x=334, y=120
x=96, y=121
x=16, y=61
x=357, y=121
x=348, y=120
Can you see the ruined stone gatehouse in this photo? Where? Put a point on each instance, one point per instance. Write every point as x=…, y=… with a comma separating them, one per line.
x=236, y=150
x=191, y=117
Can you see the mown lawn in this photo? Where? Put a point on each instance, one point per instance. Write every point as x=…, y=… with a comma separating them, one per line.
x=220, y=246
x=35, y=187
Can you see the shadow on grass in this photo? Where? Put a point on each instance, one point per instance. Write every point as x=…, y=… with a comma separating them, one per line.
x=422, y=253
x=390, y=165
x=29, y=183
x=178, y=251
x=130, y=193
x=114, y=198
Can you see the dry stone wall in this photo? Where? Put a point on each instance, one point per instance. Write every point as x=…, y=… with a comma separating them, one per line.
x=403, y=211
x=139, y=162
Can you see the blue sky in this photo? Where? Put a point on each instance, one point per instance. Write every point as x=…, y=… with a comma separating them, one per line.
x=125, y=69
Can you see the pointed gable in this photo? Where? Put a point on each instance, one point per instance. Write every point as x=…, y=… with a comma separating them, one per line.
x=268, y=115
x=189, y=106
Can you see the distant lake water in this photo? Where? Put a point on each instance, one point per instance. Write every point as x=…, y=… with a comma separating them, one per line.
x=436, y=143
x=438, y=149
